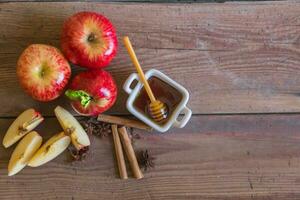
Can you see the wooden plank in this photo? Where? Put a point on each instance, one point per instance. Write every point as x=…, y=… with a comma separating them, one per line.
x=140, y=1
x=232, y=57
x=229, y=157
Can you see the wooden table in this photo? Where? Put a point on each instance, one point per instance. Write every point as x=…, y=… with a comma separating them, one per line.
x=239, y=60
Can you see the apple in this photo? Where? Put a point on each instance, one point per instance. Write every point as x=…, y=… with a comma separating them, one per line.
x=43, y=72
x=89, y=40
x=72, y=127
x=50, y=150
x=92, y=92
x=23, y=124
x=24, y=152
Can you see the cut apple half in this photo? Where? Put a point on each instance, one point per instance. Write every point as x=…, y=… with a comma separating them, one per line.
x=72, y=127
x=25, y=122
x=24, y=152
x=50, y=150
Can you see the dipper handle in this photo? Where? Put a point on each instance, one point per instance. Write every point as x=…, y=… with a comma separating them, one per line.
x=138, y=68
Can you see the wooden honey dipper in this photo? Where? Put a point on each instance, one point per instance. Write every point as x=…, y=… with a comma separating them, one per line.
x=157, y=109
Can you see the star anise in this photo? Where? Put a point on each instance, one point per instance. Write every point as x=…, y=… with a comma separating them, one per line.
x=145, y=159
x=94, y=127
x=78, y=155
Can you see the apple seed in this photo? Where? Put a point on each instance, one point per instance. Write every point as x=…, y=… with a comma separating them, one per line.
x=70, y=130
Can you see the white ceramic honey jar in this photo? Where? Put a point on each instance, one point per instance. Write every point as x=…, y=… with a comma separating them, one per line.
x=180, y=114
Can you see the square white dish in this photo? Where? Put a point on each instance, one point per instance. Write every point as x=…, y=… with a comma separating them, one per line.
x=172, y=120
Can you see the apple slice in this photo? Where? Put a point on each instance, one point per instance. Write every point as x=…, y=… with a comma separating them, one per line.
x=25, y=122
x=50, y=150
x=72, y=127
x=24, y=152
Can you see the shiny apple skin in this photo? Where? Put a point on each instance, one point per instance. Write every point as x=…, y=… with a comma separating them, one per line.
x=43, y=72
x=80, y=49
x=100, y=85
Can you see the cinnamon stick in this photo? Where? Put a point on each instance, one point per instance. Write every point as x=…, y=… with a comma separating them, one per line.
x=130, y=153
x=119, y=152
x=123, y=121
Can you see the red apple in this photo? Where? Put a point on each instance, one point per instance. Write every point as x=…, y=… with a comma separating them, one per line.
x=89, y=40
x=92, y=92
x=43, y=71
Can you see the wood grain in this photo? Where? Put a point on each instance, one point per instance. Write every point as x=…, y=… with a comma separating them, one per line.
x=227, y=157
x=232, y=57
x=127, y=1
x=143, y=1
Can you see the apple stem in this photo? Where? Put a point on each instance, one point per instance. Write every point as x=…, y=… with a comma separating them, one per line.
x=91, y=37
x=81, y=95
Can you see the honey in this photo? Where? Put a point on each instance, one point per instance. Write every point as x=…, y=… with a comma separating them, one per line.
x=163, y=92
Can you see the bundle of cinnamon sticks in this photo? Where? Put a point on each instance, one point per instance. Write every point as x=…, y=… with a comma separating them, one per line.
x=122, y=141
x=121, y=138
